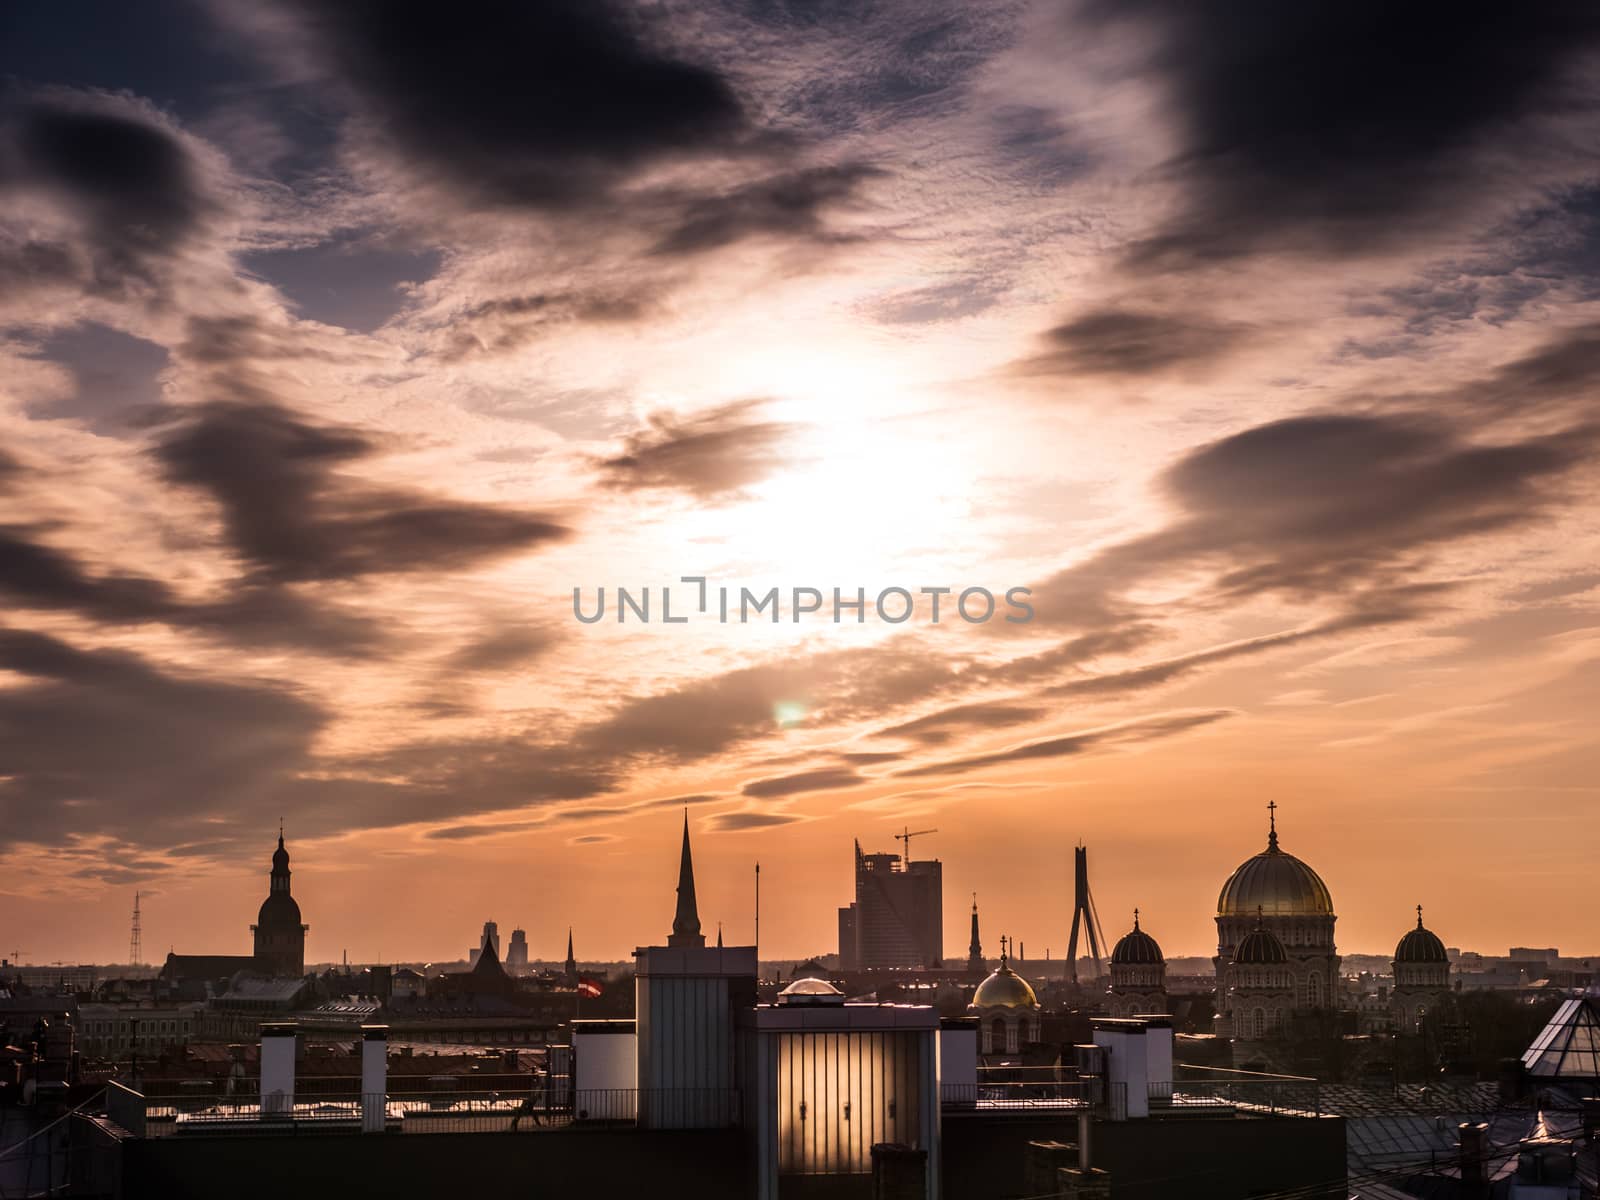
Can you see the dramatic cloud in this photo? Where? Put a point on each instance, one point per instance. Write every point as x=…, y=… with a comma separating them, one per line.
x=938, y=728
x=791, y=205
x=502, y=649
x=100, y=741
x=101, y=191
x=742, y=820
x=1120, y=343
x=1324, y=506
x=558, y=106
x=291, y=515
x=708, y=454
x=1342, y=125
x=1128, y=733
x=824, y=779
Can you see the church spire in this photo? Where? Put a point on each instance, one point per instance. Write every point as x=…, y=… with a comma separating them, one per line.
x=1272, y=826
x=975, y=950
x=686, y=923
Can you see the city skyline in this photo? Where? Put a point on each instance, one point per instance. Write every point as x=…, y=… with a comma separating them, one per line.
x=341, y=348
x=952, y=956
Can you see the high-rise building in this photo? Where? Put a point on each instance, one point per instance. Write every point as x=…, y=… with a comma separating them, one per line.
x=517, y=952
x=490, y=937
x=897, y=919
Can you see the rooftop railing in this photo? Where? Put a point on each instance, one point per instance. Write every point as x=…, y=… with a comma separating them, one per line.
x=1195, y=1087
x=455, y=1110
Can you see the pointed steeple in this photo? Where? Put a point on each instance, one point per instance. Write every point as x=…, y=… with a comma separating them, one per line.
x=719, y=935
x=686, y=923
x=975, y=950
x=572, y=963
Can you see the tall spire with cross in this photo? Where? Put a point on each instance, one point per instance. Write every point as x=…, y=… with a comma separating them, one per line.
x=975, y=949
x=686, y=922
x=1272, y=826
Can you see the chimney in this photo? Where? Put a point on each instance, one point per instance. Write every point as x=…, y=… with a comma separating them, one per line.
x=277, y=1068
x=374, y=1077
x=1474, y=1159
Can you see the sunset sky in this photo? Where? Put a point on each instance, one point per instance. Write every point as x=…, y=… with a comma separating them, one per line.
x=340, y=342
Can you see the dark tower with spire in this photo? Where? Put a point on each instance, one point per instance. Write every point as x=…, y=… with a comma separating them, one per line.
x=280, y=937
x=975, y=963
x=572, y=963
x=686, y=922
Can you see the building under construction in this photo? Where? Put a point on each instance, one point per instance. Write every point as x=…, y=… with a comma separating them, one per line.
x=897, y=920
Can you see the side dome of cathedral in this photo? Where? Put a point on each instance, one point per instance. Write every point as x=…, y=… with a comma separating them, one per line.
x=1136, y=948
x=1420, y=945
x=1260, y=947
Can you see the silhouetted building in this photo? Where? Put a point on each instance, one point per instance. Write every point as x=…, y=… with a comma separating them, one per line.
x=1421, y=977
x=686, y=995
x=897, y=919
x=975, y=960
x=517, y=952
x=491, y=933
x=280, y=936
x=1138, y=974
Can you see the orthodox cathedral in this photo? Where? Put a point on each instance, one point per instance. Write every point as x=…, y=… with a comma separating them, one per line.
x=1276, y=960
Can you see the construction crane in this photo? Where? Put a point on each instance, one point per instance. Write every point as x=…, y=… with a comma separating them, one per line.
x=908, y=835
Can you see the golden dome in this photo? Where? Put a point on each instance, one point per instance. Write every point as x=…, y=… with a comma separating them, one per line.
x=1004, y=989
x=1274, y=884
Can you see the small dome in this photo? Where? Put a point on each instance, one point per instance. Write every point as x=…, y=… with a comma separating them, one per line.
x=1004, y=989
x=1420, y=945
x=1276, y=884
x=811, y=991
x=1137, y=948
x=1260, y=946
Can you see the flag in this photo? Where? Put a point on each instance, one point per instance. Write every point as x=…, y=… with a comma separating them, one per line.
x=589, y=987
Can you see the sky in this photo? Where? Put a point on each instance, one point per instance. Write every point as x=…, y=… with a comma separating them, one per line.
x=341, y=344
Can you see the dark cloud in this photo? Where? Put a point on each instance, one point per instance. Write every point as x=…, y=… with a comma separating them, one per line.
x=291, y=514
x=1122, y=343
x=1149, y=675
x=790, y=205
x=741, y=820
x=1342, y=125
x=132, y=190
x=502, y=649
x=1321, y=507
x=101, y=741
x=508, y=323
x=708, y=454
x=531, y=105
x=34, y=575
x=38, y=576
x=938, y=728
x=825, y=779
x=1132, y=732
